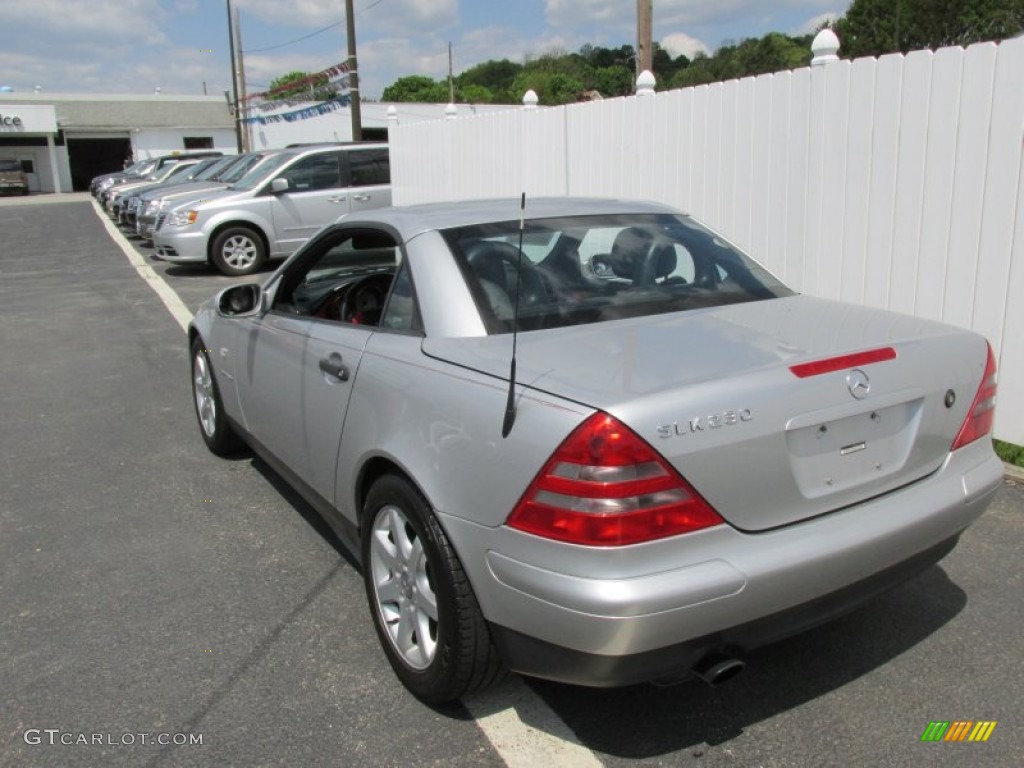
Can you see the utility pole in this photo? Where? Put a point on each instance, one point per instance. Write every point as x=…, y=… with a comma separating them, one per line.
x=644, y=51
x=234, y=80
x=353, y=74
x=246, y=141
x=451, y=82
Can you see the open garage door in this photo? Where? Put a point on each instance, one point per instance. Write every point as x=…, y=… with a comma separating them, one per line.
x=91, y=157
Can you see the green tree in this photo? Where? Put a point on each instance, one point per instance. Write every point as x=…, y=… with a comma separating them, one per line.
x=756, y=56
x=877, y=27
x=306, y=89
x=615, y=80
x=416, y=88
x=495, y=76
x=473, y=94
x=552, y=88
x=665, y=67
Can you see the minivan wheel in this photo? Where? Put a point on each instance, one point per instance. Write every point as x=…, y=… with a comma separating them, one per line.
x=238, y=251
x=424, y=610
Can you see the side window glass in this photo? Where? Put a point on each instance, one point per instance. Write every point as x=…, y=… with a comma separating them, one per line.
x=315, y=172
x=368, y=167
x=401, y=313
x=345, y=277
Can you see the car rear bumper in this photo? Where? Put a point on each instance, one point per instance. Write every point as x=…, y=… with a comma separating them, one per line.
x=622, y=615
x=531, y=656
x=180, y=247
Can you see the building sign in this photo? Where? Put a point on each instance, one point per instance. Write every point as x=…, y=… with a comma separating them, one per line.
x=27, y=118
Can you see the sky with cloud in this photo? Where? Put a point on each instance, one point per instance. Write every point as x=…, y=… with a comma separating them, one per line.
x=136, y=46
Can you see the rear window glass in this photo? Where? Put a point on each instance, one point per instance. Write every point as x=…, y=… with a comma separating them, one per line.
x=580, y=270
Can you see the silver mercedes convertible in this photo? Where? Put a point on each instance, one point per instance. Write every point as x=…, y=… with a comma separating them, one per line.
x=593, y=441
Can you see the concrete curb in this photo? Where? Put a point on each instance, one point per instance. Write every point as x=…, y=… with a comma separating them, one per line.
x=1017, y=473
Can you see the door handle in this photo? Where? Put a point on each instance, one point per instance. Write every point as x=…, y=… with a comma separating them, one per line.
x=361, y=198
x=332, y=366
x=335, y=199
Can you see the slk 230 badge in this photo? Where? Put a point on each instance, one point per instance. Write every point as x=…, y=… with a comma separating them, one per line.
x=700, y=423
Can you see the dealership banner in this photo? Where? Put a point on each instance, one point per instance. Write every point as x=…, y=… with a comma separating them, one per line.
x=327, y=82
x=314, y=110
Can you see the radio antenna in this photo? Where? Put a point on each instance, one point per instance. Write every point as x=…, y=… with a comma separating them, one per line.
x=510, y=404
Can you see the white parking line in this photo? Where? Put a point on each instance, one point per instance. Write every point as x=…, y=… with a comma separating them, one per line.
x=174, y=304
x=522, y=728
x=525, y=731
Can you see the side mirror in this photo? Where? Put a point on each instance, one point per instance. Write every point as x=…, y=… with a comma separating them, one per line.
x=279, y=186
x=240, y=300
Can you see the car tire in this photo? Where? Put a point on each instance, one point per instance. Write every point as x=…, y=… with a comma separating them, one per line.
x=238, y=251
x=426, y=615
x=217, y=433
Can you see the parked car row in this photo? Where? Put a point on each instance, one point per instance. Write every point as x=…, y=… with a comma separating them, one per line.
x=142, y=168
x=235, y=213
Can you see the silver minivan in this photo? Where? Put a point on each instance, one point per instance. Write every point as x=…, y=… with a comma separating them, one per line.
x=276, y=207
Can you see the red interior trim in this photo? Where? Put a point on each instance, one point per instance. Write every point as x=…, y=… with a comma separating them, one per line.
x=830, y=364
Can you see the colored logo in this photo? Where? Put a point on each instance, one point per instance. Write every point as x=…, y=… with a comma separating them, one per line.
x=958, y=730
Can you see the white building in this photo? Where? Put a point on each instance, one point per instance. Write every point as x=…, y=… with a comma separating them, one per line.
x=63, y=140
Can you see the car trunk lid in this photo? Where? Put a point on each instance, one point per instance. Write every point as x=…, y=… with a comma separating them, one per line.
x=715, y=392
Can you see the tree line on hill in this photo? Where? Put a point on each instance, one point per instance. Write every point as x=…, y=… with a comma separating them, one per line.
x=869, y=28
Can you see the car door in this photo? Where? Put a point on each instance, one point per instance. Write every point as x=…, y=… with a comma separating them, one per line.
x=367, y=172
x=302, y=356
x=315, y=197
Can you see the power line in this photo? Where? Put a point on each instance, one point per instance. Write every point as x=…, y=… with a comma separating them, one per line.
x=311, y=34
x=296, y=40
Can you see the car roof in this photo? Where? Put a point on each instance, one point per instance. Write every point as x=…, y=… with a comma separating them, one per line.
x=412, y=220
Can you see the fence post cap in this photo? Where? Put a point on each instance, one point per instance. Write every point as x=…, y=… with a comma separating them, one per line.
x=645, y=83
x=451, y=111
x=392, y=112
x=530, y=99
x=824, y=47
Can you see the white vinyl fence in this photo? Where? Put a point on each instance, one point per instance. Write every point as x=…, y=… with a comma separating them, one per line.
x=892, y=182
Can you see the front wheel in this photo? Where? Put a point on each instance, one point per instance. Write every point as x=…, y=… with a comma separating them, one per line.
x=217, y=433
x=424, y=610
x=238, y=251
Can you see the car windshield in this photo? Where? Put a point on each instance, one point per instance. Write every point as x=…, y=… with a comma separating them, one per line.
x=167, y=171
x=10, y=165
x=143, y=169
x=234, y=172
x=181, y=172
x=588, y=269
x=260, y=172
x=212, y=170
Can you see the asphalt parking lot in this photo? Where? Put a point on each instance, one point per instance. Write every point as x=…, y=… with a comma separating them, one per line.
x=148, y=588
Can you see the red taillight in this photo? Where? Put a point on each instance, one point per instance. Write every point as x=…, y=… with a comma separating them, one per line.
x=983, y=410
x=606, y=487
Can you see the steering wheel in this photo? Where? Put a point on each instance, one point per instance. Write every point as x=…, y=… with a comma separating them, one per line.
x=363, y=302
x=658, y=264
x=488, y=258
x=329, y=307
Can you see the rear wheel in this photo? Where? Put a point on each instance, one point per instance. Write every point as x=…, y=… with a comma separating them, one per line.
x=213, y=423
x=424, y=610
x=238, y=251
